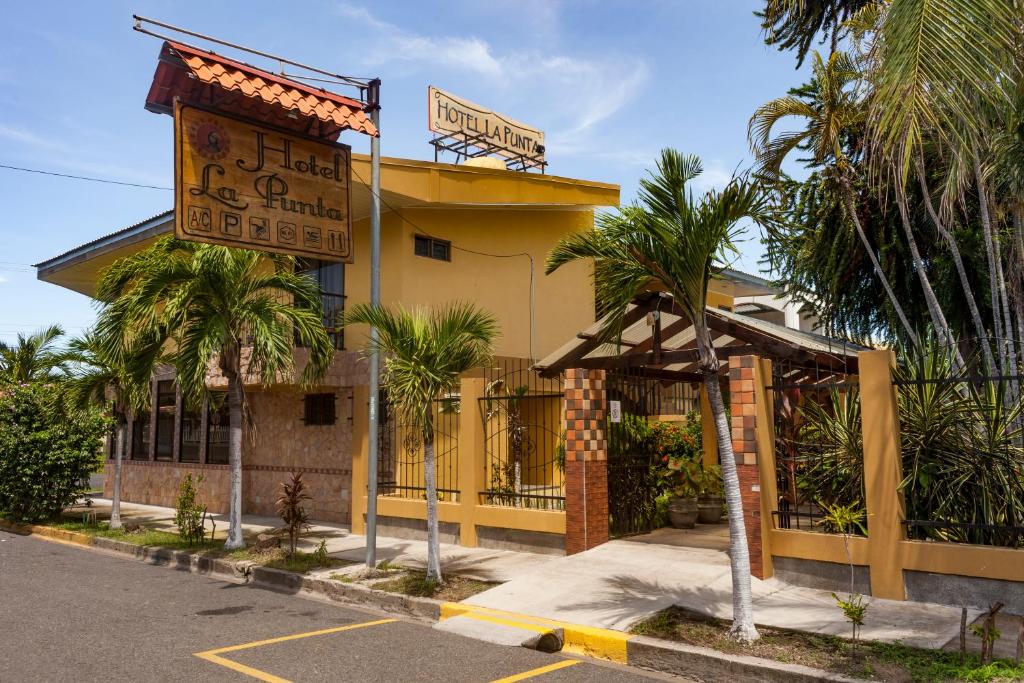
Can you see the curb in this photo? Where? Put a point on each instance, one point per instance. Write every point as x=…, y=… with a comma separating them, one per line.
x=349, y=593
x=704, y=664
x=588, y=641
x=247, y=572
x=697, y=663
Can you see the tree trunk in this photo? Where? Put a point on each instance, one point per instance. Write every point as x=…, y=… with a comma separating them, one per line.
x=850, y=209
x=743, y=628
x=954, y=249
x=235, y=402
x=934, y=309
x=994, y=265
x=115, y=501
x=433, y=535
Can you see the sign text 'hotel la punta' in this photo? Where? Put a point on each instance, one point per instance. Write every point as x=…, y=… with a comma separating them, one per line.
x=466, y=121
x=241, y=183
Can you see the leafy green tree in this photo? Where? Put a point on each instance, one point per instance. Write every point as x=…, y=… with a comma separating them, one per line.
x=673, y=240
x=235, y=311
x=425, y=351
x=795, y=24
x=111, y=378
x=47, y=451
x=32, y=357
x=832, y=112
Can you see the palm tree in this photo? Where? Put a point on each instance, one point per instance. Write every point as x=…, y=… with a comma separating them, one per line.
x=105, y=375
x=236, y=310
x=425, y=351
x=672, y=240
x=835, y=112
x=31, y=357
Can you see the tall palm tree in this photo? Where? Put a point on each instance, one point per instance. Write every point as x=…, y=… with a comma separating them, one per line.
x=106, y=375
x=425, y=351
x=31, y=357
x=235, y=310
x=836, y=111
x=673, y=240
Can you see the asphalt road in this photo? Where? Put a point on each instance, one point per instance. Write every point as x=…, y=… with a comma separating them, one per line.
x=71, y=614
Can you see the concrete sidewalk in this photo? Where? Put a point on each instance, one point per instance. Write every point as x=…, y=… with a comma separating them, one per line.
x=475, y=563
x=616, y=584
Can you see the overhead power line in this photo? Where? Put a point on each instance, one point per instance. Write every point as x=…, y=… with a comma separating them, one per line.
x=82, y=177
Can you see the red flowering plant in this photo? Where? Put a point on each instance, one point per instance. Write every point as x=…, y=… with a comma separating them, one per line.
x=679, y=459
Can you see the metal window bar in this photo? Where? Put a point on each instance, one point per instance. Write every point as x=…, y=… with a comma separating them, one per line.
x=632, y=461
x=400, y=460
x=964, y=484
x=524, y=444
x=819, y=460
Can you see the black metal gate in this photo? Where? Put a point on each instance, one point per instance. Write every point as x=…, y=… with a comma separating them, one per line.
x=632, y=486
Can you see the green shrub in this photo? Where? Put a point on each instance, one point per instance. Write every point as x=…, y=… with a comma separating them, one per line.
x=47, y=451
x=189, y=513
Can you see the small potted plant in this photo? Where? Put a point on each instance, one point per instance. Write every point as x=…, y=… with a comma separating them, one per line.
x=710, y=503
x=684, y=475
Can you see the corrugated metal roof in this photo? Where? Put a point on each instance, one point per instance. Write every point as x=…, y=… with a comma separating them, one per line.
x=158, y=219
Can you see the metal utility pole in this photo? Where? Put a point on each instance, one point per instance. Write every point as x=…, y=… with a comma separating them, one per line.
x=371, y=489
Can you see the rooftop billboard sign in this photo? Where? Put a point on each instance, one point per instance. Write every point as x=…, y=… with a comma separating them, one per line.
x=484, y=128
x=244, y=184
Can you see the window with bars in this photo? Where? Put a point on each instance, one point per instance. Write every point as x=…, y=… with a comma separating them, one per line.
x=166, y=406
x=330, y=277
x=217, y=426
x=140, y=437
x=431, y=247
x=320, y=409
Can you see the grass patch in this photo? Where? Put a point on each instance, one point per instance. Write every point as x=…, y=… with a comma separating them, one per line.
x=153, y=537
x=276, y=558
x=416, y=584
x=872, y=660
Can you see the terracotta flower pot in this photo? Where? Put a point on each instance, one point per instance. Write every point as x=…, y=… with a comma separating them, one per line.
x=710, y=509
x=682, y=512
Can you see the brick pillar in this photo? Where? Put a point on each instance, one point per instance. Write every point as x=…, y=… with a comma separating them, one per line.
x=742, y=403
x=586, y=461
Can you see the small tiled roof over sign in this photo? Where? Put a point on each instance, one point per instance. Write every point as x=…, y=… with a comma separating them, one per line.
x=202, y=77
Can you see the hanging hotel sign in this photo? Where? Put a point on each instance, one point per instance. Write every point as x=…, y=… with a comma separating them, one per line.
x=243, y=184
x=458, y=118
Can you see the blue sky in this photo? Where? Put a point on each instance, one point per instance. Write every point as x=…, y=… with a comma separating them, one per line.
x=609, y=82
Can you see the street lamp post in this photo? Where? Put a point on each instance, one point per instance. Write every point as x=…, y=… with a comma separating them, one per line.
x=371, y=489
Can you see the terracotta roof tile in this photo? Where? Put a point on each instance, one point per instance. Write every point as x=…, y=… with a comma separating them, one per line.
x=202, y=77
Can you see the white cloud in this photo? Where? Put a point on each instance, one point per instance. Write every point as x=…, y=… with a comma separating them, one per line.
x=715, y=177
x=27, y=137
x=579, y=94
x=3, y=279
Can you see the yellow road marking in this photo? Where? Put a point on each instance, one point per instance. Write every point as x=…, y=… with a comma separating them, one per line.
x=242, y=668
x=508, y=622
x=214, y=655
x=539, y=671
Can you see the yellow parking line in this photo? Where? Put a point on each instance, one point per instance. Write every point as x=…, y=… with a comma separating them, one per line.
x=242, y=668
x=214, y=655
x=539, y=671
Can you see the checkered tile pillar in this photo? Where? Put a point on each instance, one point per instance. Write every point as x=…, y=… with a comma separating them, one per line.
x=586, y=461
x=744, y=446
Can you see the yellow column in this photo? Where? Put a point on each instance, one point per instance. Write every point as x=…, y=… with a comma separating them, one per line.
x=709, y=436
x=764, y=417
x=471, y=456
x=882, y=473
x=360, y=446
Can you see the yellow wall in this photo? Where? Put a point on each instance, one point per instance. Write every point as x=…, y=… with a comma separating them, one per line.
x=564, y=300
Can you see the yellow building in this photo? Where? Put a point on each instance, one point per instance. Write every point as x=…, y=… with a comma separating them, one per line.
x=447, y=233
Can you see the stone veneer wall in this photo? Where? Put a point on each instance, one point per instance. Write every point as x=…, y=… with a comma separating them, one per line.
x=280, y=444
